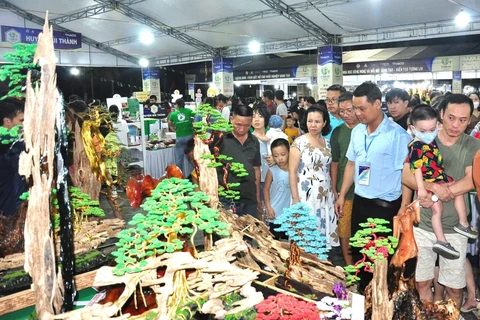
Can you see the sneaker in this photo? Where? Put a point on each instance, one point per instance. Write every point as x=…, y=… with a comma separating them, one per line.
x=468, y=232
x=446, y=250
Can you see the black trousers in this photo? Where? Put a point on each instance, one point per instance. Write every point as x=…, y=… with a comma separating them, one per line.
x=363, y=209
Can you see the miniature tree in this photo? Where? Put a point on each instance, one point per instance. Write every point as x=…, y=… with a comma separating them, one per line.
x=174, y=210
x=21, y=61
x=374, y=247
x=211, y=132
x=8, y=136
x=301, y=227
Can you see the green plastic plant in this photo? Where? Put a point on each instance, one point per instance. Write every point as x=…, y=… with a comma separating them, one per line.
x=175, y=210
x=8, y=136
x=374, y=247
x=20, y=61
x=83, y=206
x=211, y=131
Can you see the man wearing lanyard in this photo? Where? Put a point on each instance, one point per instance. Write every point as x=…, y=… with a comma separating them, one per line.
x=376, y=153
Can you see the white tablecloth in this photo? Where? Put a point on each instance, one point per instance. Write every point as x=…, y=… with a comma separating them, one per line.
x=472, y=247
x=158, y=160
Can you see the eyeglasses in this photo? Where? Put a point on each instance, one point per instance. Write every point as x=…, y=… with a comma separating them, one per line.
x=349, y=110
x=330, y=101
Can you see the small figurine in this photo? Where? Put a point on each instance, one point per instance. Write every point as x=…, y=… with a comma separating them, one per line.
x=176, y=95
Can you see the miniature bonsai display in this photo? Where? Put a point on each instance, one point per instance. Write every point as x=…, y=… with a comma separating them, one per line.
x=301, y=228
x=174, y=210
x=209, y=137
x=21, y=61
x=374, y=247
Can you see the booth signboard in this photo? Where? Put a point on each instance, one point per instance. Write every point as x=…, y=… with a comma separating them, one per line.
x=223, y=75
x=330, y=70
x=61, y=40
x=392, y=66
x=151, y=81
x=142, y=96
x=450, y=63
x=470, y=62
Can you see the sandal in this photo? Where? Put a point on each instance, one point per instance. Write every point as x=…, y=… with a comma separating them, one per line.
x=471, y=309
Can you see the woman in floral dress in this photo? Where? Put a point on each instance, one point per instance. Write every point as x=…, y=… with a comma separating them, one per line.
x=309, y=169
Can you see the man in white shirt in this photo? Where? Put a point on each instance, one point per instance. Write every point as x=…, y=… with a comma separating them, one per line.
x=223, y=107
x=281, y=107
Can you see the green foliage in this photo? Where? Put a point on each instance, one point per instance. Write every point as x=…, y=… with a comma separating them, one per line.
x=8, y=136
x=229, y=303
x=83, y=206
x=374, y=247
x=174, y=208
x=20, y=61
x=203, y=127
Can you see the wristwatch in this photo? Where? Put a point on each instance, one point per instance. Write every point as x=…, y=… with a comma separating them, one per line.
x=434, y=198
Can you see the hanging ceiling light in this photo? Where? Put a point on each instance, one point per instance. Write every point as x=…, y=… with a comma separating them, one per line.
x=146, y=37
x=462, y=19
x=143, y=62
x=254, y=46
x=74, y=71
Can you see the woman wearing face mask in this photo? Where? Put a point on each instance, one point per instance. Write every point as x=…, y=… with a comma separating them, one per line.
x=475, y=118
x=427, y=166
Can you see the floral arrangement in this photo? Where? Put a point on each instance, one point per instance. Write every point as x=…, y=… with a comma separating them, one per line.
x=374, y=247
x=286, y=307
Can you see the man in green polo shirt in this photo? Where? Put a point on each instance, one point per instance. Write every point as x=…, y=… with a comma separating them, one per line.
x=181, y=120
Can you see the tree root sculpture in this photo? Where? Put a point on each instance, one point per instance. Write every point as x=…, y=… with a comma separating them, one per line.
x=401, y=301
x=213, y=277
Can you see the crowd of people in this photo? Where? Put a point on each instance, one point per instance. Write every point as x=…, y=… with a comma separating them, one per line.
x=350, y=161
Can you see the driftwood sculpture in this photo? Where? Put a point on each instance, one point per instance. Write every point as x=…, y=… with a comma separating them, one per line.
x=321, y=275
x=40, y=142
x=392, y=294
x=214, y=276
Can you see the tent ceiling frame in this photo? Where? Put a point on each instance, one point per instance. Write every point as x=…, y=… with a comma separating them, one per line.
x=40, y=21
x=240, y=18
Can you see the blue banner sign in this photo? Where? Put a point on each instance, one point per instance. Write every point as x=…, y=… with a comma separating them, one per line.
x=61, y=40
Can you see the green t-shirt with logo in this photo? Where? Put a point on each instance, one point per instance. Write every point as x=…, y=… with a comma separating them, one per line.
x=182, y=118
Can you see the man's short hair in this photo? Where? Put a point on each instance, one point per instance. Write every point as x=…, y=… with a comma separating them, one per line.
x=311, y=100
x=279, y=94
x=456, y=98
x=346, y=96
x=370, y=90
x=10, y=108
x=242, y=111
x=337, y=87
x=153, y=97
x=268, y=94
x=397, y=93
x=222, y=98
x=180, y=103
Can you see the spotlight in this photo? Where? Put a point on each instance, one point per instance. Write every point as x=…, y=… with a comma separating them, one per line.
x=146, y=37
x=74, y=71
x=143, y=62
x=254, y=46
x=462, y=19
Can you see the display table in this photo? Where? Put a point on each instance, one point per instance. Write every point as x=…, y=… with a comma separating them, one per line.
x=158, y=160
